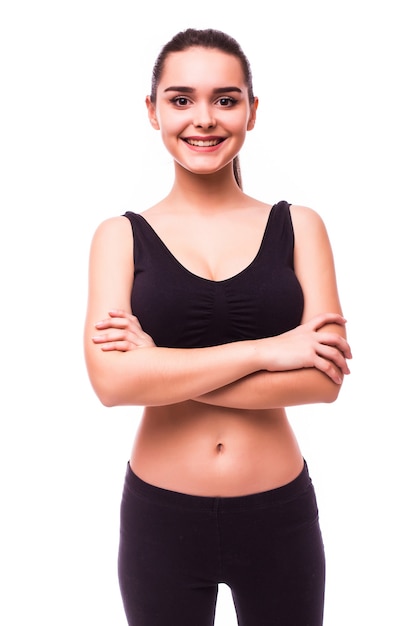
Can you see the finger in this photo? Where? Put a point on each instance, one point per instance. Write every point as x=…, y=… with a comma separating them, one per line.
x=124, y=314
x=114, y=336
x=118, y=313
x=333, y=339
x=104, y=338
x=328, y=368
x=334, y=356
x=113, y=322
x=118, y=346
x=321, y=320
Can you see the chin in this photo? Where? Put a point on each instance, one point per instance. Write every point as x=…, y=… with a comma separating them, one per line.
x=204, y=169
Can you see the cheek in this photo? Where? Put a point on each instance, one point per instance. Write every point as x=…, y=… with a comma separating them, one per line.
x=239, y=129
x=169, y=134
x=171, y=125
x=239, y=125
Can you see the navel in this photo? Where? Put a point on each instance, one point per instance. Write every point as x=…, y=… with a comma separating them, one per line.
x=219, y=448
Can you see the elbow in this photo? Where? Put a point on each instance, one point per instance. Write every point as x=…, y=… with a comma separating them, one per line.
x=106, y=396
x=101, y=382
x=113, y=393
x=324, y=390
x=331, y=392
x=331, y=397
x=107, y=401
x=107, y=392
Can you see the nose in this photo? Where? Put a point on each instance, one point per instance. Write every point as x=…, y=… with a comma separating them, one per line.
x=203, y=117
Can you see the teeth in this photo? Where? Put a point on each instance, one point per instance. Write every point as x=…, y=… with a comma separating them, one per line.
x=203, y=144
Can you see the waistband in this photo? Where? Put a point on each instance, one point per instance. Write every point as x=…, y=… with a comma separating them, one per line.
x=166, y=497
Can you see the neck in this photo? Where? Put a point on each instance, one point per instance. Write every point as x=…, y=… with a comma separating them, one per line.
x=205, y=191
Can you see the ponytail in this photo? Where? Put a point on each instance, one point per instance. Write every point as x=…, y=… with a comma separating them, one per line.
x=237, y=172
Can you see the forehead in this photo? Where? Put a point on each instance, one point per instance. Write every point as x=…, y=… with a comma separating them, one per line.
x=199, y=66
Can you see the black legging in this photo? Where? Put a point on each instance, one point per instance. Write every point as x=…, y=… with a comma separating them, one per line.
x=176, y=548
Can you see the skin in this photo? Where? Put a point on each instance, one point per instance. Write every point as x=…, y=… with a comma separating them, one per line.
x=214, y=420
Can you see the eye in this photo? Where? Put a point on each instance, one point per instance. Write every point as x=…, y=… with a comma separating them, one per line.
x=226, y=101
x=180, y=101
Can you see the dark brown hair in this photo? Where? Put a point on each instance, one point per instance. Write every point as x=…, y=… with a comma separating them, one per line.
x=208, y=38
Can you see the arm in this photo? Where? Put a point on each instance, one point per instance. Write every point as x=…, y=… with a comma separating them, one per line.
x=270, y=390
x=125, y=367
x=149, y=375
x=314, y=266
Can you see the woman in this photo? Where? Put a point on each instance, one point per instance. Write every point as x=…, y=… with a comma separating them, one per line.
x=217, y=311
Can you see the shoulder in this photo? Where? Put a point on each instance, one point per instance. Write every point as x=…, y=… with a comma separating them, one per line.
x=112, y=239
x=303, y=216
x=113, y=225
x=113, y=228
x=307, y=223
x=313, y=262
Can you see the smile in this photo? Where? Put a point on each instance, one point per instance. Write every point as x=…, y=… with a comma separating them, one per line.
x=203, y=143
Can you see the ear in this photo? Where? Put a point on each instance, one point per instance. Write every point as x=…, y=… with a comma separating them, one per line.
x=252, y=117
x=152, y=113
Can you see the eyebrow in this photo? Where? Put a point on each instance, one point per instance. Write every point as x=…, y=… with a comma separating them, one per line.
x=218, y=90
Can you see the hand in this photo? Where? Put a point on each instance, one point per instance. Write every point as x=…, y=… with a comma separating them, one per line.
x=124, y=333
x=309, y=346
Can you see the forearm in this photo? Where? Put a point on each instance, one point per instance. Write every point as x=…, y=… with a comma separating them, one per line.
x=152, y=376
x=159, y=376
x=266, y=390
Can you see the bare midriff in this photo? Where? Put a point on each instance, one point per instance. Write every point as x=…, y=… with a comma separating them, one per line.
x=199, y=449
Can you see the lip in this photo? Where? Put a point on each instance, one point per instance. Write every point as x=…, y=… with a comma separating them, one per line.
x=203, y=144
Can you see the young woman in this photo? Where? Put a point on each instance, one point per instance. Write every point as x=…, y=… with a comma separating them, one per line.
x=217, y=311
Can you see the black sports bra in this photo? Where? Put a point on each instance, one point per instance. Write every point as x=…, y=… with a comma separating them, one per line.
x=180, y=309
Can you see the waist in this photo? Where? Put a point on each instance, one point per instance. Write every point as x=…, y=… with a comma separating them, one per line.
x=279, y=495
x=211, y=451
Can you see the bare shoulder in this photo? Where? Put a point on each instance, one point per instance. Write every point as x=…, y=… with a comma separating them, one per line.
x=110, y=267
x=308, y=224
x=305, y=217
x=112, y=246
x=113, y=227
x=112, y=234
x=313, y=262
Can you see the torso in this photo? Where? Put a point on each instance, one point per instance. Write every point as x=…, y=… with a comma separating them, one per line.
x=201, y=449
x=212, y=451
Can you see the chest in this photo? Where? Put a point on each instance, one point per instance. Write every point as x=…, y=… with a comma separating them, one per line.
x=179, y=307
x=214, y=249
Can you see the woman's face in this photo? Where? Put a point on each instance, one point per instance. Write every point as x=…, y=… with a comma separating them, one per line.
x=202, y=108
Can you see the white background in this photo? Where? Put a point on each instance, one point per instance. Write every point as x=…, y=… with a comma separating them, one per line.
x=336, y=130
